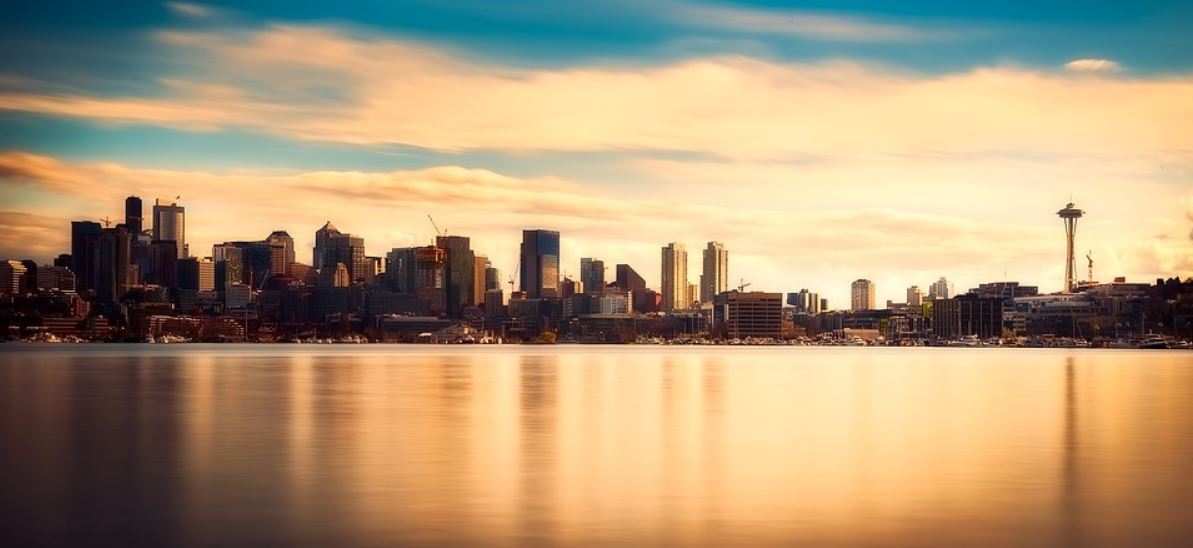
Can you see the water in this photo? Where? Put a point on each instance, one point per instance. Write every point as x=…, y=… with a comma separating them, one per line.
x=371, y=445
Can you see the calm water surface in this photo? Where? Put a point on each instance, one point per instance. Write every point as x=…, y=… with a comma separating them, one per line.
x=371, y=446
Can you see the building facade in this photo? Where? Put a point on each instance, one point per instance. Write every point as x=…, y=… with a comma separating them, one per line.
x=675, y=277
x=539, y=263
x=714, y=277
x=739, y=315
x=861, y=295
x=169, y=224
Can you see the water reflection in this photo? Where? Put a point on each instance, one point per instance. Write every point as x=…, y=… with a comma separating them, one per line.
x=524, y=446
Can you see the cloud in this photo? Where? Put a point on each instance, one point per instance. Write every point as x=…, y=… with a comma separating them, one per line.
x=322, y=84
x=1092, y=65
x=24, y=235
x=798, y=23
x=193, y=11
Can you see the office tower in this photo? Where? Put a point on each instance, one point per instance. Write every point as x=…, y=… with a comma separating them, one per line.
x=55, y=277
x=823, y=304
x=460, y=271
x=1070, y=214
x=333, y=247
x=335, y=276
x=169, y=224
x=322, y=243
x=714, y=278
x=399, y=269
x=693, y=296
x=539, y=263
x=133, y=219
x=804, y=302
x=941, y=289
x=492, y=278
x=283, y=239
x=592, y=274
x=83, y=238
x=675, y=277
x=229, y=265
x=11, y=275
x=29, y=279
x=915, y=296
x=628, y=280
x=112, y=265
x=748, y=314
x=163, y=263
x=862, y=295
x=196, y=274
x=430, y=264
x=479, y=266
x=571, y=287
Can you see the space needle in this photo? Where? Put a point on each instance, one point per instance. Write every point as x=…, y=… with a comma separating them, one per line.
x=1070, y=214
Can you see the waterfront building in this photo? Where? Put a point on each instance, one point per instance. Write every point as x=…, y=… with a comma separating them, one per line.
x=967, y=314
x=539, y=263
x=112, y=265
x=714, y=277
x=675, y=277
x=861, y=295
x=739, y=314
x=12, y=273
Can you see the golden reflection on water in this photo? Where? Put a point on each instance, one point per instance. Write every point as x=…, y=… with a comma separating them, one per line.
x=584, y=446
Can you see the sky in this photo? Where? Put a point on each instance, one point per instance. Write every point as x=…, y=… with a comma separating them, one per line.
x=821, y=142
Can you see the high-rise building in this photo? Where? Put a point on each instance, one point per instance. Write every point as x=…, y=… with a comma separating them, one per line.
x=675, y=277
x=804, y=302
x=480, y=264
x=460, y=271
x=540, y=263
x=915, y=296
x=84, y=235
x=283, y=239
x=629, y=280
x=492, y=279
x=229, y=265
x=112, y=265
x=714, y=278
x=592, y=274
x=941, y=289
x=1070, y=214
x=11, y=275
x=322, y=243
x=55, y=277
x=134, y=216
x=755, y=314
x=862, y=295
x=163, y=263
x=196, y=274
x=333, y=247
x=169, y=224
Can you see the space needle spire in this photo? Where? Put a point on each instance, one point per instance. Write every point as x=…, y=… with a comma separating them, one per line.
x=1070, y=214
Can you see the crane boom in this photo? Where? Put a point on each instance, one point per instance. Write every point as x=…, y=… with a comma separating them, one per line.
x=437, y=231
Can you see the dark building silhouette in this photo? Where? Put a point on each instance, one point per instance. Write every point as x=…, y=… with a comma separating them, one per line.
x=112, y=265
x=163, y=263
x=967, y=314
x=592, y=274
x=333, y=247
x=540, y=263
x=133, y=215
x=460, y=271
x=84, y=235
x=629, y=280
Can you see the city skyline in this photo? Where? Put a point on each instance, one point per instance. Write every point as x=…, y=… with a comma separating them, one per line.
x=824, y=146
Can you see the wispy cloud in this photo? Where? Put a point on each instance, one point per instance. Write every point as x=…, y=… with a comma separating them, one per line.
x=395, y=92
x=1092, y=65
x=191, y=10
x=806, y=24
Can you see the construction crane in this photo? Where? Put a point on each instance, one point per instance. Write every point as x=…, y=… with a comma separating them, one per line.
x=437, y=231
x=107, y=222
x=742, y=285
x=513, y=276
x=1089, y=256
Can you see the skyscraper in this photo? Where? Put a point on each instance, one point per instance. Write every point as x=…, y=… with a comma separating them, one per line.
x=83, y=238
x=915, y=296
x=592, y=274
x=333, y=247
x=283, y=239
x=460, y=271
x=112, y=265
x=169, y=224
x=1070, y=214
x=804, y=302
x=539, y=263
x=480, y=265
x=322, y=241
x=133, y=216
x=675, y=277
x=941, y=289
x=715, y=276
x=862, y=295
